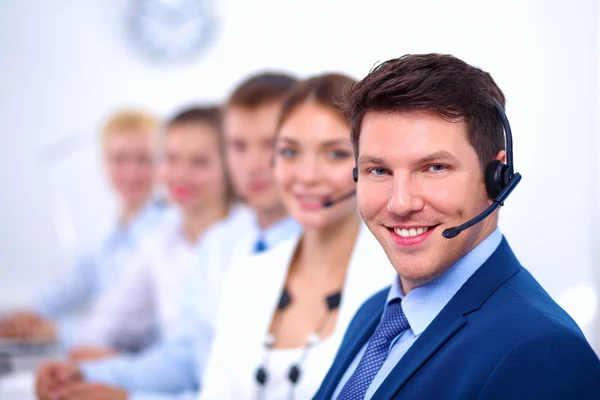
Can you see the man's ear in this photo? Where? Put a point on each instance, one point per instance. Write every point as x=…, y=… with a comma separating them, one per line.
x=494, y=176
x=501, y=156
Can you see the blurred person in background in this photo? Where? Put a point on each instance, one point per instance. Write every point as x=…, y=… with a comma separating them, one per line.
x=173, y=369
x=283, y=313
x=146, y=305
x=250, y=120
x=128, y=146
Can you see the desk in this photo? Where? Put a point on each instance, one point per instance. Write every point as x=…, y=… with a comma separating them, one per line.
x=18, y=365
x=18, y=386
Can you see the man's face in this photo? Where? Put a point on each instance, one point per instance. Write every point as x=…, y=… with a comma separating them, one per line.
x=130, y=167
x=419, y=175
x=249, y=135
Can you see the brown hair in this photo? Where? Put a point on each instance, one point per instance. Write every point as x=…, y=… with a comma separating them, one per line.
x=326, y=90
x=260, y=89
x=209, y=115
x=441, y=83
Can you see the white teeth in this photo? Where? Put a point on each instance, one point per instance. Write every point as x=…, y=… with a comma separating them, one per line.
x=412, y=232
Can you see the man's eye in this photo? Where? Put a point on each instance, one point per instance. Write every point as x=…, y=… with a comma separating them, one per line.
x=378, y=171
x=287, y=153
x=437, y=168
x=339, y=155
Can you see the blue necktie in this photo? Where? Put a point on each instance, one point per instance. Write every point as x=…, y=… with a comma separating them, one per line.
x=260, y=245
x=394, y=322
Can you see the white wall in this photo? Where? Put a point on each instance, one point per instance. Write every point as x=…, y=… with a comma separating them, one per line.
x=596, y=216
x=65, y=64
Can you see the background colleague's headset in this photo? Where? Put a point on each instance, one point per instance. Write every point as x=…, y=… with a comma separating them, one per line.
x=500, y=179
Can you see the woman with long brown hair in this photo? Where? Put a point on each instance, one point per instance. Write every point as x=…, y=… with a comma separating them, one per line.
x=283, y=313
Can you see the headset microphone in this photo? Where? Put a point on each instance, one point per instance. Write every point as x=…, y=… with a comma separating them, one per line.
x=498, y=201
x=330, y=203
x=500, y=180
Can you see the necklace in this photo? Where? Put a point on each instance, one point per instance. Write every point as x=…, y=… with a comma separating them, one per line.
x=295, y=372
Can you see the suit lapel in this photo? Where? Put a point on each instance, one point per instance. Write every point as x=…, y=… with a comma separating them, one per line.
x=494, y=272
x=425, y=346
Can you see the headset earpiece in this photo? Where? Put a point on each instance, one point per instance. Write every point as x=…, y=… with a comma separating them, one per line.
x=355, y=174
x=496, y=177
x=500, y=180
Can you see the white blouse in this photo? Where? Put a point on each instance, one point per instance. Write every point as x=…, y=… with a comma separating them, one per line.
x=250, y=295
x=312, y=368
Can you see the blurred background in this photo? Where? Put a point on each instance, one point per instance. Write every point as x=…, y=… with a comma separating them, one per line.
x=65, y=65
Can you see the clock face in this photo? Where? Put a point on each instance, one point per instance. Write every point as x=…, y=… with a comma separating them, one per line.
x=171, y=30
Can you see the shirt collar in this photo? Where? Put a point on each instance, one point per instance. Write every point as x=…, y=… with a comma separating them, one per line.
x=141, y=223
x=279, y=231
x=424, y=303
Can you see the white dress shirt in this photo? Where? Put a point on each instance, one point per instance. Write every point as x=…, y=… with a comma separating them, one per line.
x=227, y=246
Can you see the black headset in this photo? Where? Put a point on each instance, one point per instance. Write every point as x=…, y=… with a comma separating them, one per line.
x=500, y=179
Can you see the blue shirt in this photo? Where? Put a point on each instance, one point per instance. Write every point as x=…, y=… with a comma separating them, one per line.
x=171, y=369
x=167, y=370
x=421, y=305
x=96, y=271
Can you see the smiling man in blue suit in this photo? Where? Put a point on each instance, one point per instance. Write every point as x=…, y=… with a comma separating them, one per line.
x=463, y=319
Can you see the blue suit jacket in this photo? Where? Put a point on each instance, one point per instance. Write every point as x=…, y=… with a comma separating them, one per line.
x=500, y=337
